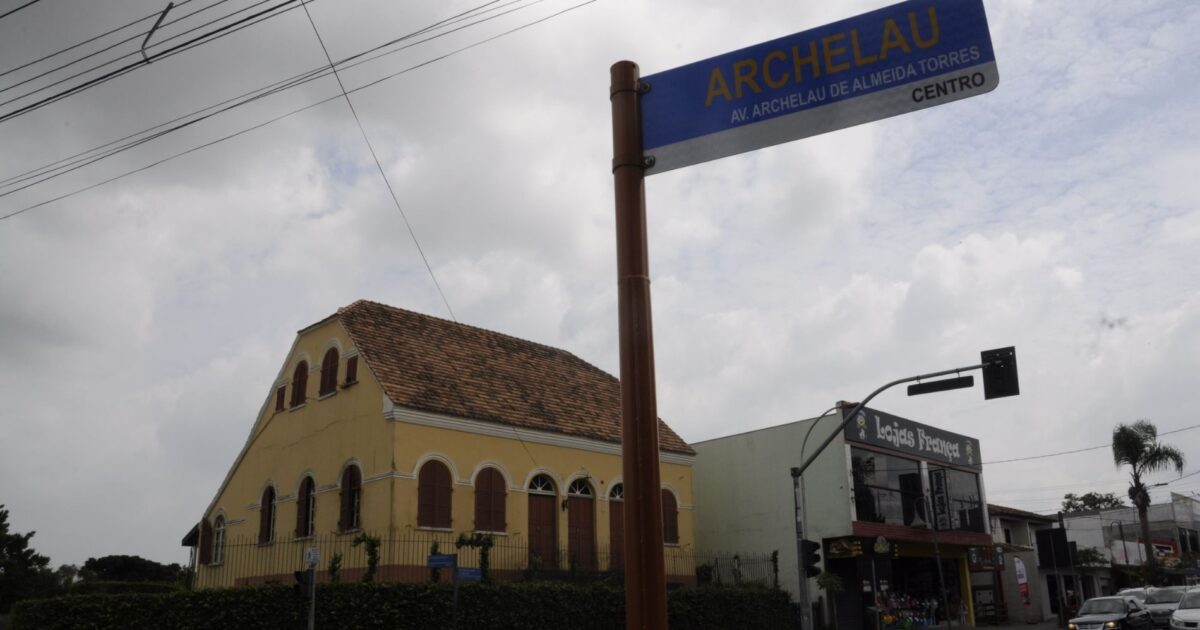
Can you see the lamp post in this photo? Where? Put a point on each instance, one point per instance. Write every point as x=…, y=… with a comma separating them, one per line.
x=1121, y=527
x=999, y=367
x=801, y=517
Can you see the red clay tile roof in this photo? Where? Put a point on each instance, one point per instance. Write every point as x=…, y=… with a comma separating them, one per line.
x=431, y=364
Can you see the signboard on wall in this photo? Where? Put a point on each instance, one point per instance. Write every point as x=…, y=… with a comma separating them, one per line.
x=1022, y=579
x=900, y=434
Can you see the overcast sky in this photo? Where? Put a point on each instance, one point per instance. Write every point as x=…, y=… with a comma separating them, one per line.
x=143, y=322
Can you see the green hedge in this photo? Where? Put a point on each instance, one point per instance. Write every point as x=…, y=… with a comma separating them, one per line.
x=516, y=606
x=121, y=588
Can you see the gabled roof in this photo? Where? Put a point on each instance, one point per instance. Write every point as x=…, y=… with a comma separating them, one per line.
x=434, y=365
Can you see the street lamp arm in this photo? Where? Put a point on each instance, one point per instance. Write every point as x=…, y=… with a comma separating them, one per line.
x=796, y=472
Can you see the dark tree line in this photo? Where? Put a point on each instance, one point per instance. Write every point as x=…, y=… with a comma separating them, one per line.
x=26, y=574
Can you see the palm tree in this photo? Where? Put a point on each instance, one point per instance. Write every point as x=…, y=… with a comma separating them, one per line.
x=1136, y=445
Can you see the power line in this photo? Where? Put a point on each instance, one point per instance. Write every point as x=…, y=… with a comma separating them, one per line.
x=1080, y=450
x=98, y=52
x=104, y=78
x=298, y=110
x=379, y=166
x=87, y=41
x=73, y=163
x=12, y=11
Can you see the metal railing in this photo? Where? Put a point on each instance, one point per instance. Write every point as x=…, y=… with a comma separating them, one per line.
x=246, y=562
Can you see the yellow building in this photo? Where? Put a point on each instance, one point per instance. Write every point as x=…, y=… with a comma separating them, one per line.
x=417, y=430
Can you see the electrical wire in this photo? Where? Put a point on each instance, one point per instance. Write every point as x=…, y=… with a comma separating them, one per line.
x=378, y=165
x=296, y=111
x=89, y=40
x=104, y=78
x=12, y=11
x=77, y=161
x=1080, y=450
x=131, y=38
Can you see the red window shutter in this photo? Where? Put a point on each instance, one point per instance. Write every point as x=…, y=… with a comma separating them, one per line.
x=346, y=518
x=499, y=514
x=489, y=501
x=352, y=370
x=670, y=518
x=279, y=398
x=329, y=367
x=206, y=542
x=266, y=513
x=300, y=384
x=433, y=495
x=483, y=501
x=424, y=503
x=355, y=498
x=302, y=508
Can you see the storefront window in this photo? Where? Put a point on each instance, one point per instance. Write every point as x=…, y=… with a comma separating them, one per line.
x=966, y=509
x=887, y=489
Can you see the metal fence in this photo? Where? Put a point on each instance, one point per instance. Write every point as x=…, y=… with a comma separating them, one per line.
x=245, y=562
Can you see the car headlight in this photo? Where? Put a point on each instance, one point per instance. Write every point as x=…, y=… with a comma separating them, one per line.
x=1110, y=624
x=1071, y=626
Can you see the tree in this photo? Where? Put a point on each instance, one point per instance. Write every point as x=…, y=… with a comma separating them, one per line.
x=23, y=572
x=129, y=569
x=1136, y=445
x=1091, y=501
x=1089, y=558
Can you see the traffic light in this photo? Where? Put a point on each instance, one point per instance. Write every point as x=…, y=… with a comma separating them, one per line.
x=304, y=583
x=810, y=555
x=1000, y=373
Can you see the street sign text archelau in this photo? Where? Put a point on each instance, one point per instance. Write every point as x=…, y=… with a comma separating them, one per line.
x=891, y=61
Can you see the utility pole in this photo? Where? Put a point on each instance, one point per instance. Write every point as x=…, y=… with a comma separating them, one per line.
x=645, y=570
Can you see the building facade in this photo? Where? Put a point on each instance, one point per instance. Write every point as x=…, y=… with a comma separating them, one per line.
x=416, y=430
x=1015, y=587
x=897, y=506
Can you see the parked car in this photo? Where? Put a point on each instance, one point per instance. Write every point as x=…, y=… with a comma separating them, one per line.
x=1138, y=593
x=1162, y=602
x=1187, y=615
x=1111, y=613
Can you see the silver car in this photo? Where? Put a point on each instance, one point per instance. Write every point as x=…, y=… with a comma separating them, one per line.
x=1162, y=602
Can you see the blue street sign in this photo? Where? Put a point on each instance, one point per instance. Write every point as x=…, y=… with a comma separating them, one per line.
x=441, y=560
x=894, y=60
x=467, y=574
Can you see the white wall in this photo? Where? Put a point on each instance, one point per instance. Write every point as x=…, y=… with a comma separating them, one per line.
x=744, y=497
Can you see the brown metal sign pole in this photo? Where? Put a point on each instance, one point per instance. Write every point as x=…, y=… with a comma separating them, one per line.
x=645, y=575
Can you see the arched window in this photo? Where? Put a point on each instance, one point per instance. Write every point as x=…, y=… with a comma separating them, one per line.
x=541, y=484
x=490, y=501
x=329, y=370
x=218, y=552
x=266, y=513
x=306, y=508
x=350, y=518
x=670, y=518
x=433, y=495
x=300, y=384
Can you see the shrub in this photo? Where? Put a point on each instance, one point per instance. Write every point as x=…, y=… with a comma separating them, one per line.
x=513, y=605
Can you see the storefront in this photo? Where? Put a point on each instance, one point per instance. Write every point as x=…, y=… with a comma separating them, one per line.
x=919, y=527
x=890, y=500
